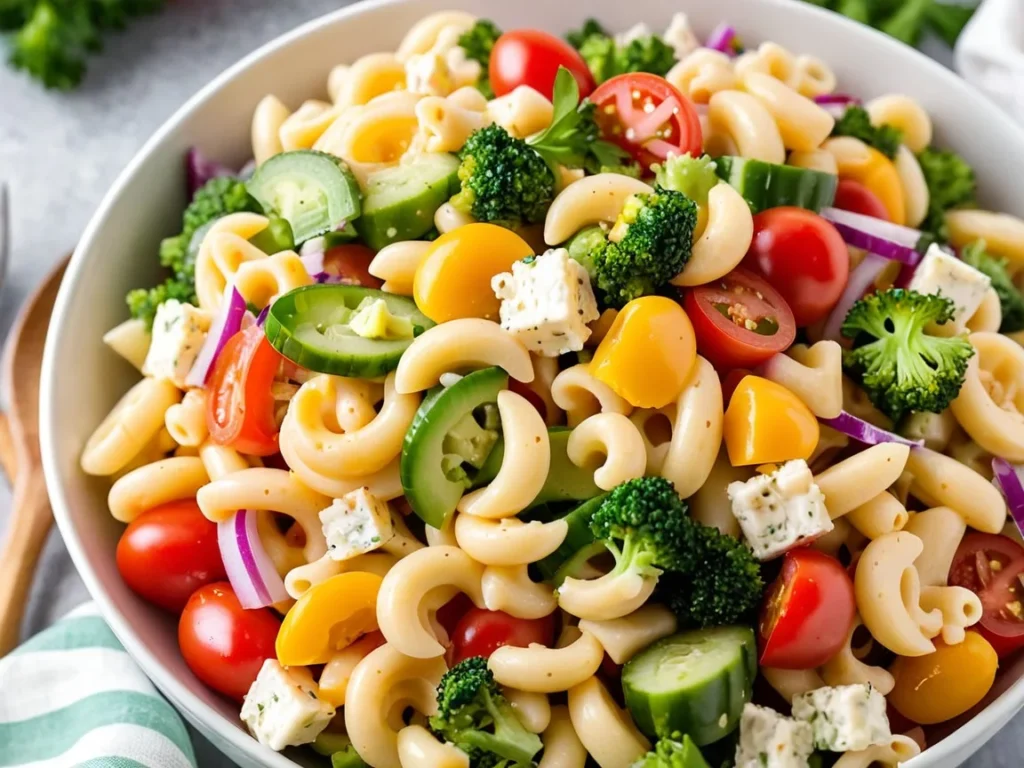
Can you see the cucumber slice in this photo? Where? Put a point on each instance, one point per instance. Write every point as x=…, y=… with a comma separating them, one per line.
x=327, y=743
x=578, y=546
x=565, y=481
x=695, y=683
x=401, y=201
x=434, y=478
x=767, y=185
x=309, y=326
x=275, y=238
x=313, y=191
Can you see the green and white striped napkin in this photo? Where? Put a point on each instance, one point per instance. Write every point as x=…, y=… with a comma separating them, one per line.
x=71, y=697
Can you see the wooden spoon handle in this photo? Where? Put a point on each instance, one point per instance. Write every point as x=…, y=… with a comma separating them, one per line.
x=31, y=519
x=8, y=457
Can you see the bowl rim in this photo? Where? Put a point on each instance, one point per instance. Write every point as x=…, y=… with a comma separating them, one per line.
x=189, y=705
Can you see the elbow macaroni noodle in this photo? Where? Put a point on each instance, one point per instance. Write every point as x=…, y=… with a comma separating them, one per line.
x=614, y=443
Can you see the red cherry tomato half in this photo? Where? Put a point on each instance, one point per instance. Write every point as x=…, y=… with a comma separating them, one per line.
x=803, y=257
x=223, y=644
x=240, y=411
x=648, y=117
x=853, y=196
x=167, y=553
x=449, y=614
x=352, y=264
x=739, y=320
x=992, y=566
x=808, y=612
x=481, y=632
x=531, y=57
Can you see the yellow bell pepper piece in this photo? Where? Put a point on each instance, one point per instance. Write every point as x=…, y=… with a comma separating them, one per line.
x=878, y=173
x=648, y=353
x=454, y=278
x=328, y=618
x=765, y=423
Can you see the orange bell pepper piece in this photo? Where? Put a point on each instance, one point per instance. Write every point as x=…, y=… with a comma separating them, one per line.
x=765, y=423
x=648, y=353
x=328, y=618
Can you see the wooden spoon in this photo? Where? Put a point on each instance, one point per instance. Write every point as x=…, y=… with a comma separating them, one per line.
x=31, y=517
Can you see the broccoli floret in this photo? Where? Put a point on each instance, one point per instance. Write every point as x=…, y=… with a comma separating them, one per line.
x=52, y=38
x=504, y=180
x=218, y=197
x=951, y=184
x=475, y=716
x=693, y=176
x=673, y=752
x=724, y=586
x=590, y=27
x=855, y=122
x=1011, y=302
x=648, y=246
x=643, y=523
x=478, y=42
x=606, y=59
x=901, y=367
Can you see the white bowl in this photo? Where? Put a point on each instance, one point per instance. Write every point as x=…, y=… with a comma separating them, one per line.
x=82, y=379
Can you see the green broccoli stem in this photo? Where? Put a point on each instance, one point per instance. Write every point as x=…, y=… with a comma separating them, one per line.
x=510, y=739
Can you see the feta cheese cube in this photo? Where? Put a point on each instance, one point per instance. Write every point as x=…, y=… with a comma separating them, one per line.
x=844, y=718
x=778, y=511
x=681, y=37
x=179, y=330
x=444, y=68
x=547, y=302
x=356, y=523
x=942, y=273
x=282, y=708
x=770, y=740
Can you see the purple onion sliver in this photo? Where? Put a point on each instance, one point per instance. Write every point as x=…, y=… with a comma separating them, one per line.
x=199, y=170
x=865, y=432
x=878, y=236
x=721, y=38
x=237, y=574
x=877, y=245
x=226, y=324
x=316, y=245
x=272, y=582
x=844, y=99
x=245, y=529
x=1008, y=479
x=262, y=318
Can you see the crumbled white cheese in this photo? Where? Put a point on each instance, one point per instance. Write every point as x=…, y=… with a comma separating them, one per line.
x=444, y=68
x=770, y=740
x=942, y=273
x=780, y=510
x=179, y=330
x=282, y=708
x=680, y=36
x=633, y=33
x=844, y=718
x=547, y=302
x=356, y=523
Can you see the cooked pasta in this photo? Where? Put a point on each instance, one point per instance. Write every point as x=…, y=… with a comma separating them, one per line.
x=606, y=731
x=547, y=670
x=562, y=747
x=593, y=200
x=580, y=395
x=738, y=120
x=622, y=638
x=614, y=444
x=522, y=113
x=508, y=541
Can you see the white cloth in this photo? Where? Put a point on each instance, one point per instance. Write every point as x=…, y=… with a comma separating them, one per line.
x=990, y=53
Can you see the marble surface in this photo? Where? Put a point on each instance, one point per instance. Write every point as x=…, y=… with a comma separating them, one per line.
x=59, y=153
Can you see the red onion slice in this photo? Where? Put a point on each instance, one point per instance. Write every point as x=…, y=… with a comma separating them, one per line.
x=860, y=280
x=262, y=317
x=1007, y=478
x=226, y=324
x=199, y=169
x=721, y=38
x=884, y=238
x=250, y=570
x=865, y=432
x=314, y=262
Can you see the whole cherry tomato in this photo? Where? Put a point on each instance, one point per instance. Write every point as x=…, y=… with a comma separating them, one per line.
x=168, y=552
x=481, y=632
x=224, y=644
x=531, y=57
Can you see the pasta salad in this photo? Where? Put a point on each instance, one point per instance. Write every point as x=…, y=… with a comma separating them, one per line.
x=626, y=400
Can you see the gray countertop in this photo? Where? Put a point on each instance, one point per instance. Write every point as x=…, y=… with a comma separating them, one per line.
x=60, y=152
